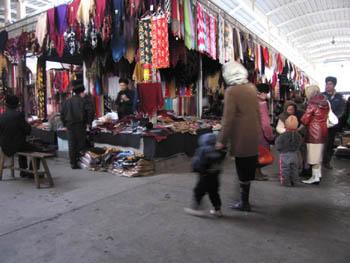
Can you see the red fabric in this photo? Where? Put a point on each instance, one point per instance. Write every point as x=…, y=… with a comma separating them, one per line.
x=279, y=64
x=72, y=11
x=101, y=6
x=266, y=56
x=182, y=20
x=167, y=90
x=151, y=97
x=160, y=43
x=156, y=136
x=315, y=119
x=274, y=80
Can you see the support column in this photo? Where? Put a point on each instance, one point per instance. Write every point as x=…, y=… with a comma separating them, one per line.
x=21, y=9
x=8, y=18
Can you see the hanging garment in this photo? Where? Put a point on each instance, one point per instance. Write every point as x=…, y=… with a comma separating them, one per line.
x=41, y=28
x=118, y=43
x=3, y=64
x=221, y=46
x=206, y=30
x=131, y=51
x=113, y=87
x=239, y=43
x=229, y=54
x=101, y=6
x=200, y=29
x=61, y=19
x=85, y=10
x=72, y=12
x=188, y=24
x=160, y=43
x=182, y=20
x=51, y=24
x=167, y=10
x=257, y=62
x=279, y=63
x=138, y=75
x=212, y=37
x=169, y=104
x=175, y=19
x=151, y=98
x=145, y=41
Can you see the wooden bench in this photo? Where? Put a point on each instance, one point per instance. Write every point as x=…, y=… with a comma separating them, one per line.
x=33, y=156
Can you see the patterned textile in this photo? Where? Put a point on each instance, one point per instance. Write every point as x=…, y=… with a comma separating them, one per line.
x=40, y=87
x=221, y=52
x=175, y=19
x=212, y=37
x=160, y=42
x=200, y=29
x=145, y=41
x=151, y=98
x=206, y=30
x=167, y=9
x=229, y=54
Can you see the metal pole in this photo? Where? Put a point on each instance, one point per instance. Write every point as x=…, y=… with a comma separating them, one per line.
x=200, y=88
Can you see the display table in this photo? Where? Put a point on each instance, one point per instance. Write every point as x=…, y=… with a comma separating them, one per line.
x=46, y=136
x=148, y=146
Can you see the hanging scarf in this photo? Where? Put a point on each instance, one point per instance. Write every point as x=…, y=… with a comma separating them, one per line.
x=213, y=37
x=221, y=46
x=160, y=42
x=188, y=24
x=200, y=29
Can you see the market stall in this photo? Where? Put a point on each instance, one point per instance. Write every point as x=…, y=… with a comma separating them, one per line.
x=170, y=53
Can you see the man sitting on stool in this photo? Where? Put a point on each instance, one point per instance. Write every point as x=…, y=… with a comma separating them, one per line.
x=13, y=132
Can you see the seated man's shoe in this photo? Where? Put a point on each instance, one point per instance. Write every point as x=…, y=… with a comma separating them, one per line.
x=75, y=166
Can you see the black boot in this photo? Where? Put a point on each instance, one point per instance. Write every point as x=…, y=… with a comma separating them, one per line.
x=243, y=205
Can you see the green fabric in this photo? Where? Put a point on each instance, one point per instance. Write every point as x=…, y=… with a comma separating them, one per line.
x=187, y=24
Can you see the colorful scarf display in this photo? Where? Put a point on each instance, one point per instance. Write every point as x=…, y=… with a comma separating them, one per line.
x=160, y=43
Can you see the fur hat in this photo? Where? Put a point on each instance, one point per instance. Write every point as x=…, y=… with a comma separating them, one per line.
x=263, y=88
x=78, y=89
x=11, y=101
x=332, y=79
x=312, y=91
x=234, y=73
x=291, y=122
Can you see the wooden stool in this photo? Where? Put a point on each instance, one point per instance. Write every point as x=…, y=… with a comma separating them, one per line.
x=34, y=156
x=11, y=166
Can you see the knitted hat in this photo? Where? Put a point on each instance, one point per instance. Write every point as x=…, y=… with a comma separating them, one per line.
x=234, y=73
x=263, y=88
x=291, y=122
x=332, y=79
x=11, y=101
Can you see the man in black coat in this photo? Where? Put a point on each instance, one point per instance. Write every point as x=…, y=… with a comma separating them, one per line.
x=125, y=99
x=338, y=106
x=75, y=117
x=13, y=132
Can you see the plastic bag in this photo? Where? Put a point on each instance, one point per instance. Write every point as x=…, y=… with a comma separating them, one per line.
x=265, y=156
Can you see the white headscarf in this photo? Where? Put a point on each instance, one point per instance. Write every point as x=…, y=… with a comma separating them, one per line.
x=234, y=73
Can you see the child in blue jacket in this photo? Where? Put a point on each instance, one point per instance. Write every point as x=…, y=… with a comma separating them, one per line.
x=207, y=163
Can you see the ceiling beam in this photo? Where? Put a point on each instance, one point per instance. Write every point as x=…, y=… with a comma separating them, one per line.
x=326, y=39
x=316, y=25
x=280, y=8
x=339, y=58
x=326, y=47
x=298, y=18
x=330, y=52
x=295, y=39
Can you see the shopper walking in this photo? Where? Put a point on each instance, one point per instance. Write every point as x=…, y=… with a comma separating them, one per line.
x=241, y=127
x=75, y=117
x=207, y=163
x=266, y=135
x=315, y=119
x=338, y=106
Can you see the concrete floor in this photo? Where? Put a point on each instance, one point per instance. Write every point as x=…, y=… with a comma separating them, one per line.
x=99, y=217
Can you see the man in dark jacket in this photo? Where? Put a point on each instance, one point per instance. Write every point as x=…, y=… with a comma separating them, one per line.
x=13, y=132
x=125, y=99
x=75, y=117
x=338, y=105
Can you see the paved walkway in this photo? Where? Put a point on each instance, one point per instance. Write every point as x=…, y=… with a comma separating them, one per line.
x=99, y=217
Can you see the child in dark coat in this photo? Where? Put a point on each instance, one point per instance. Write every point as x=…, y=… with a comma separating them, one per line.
x=207, y=163
x=288, y=144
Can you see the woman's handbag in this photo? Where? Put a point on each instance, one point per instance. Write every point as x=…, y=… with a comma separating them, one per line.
x=332, y=118
x=265, y=156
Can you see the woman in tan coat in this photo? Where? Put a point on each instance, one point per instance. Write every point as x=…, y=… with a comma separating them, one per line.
x=241, y=127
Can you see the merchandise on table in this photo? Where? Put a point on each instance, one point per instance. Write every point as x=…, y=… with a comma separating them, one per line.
x=122, y=163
